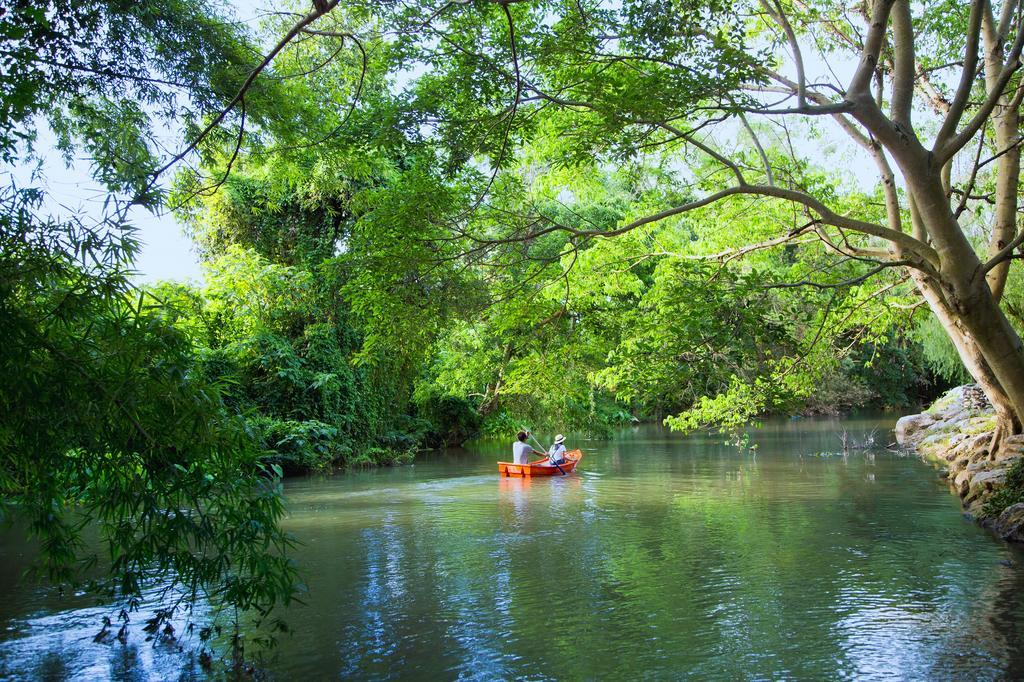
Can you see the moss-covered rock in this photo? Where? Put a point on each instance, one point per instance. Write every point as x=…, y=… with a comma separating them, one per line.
x=955, y=433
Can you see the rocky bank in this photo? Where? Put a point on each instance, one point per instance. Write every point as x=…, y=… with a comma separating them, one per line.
x=955, y=433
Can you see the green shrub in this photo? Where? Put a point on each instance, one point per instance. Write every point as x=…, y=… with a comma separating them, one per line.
x=299, y=446
x=376, y=456
x=450, y=420
x=1011, y=493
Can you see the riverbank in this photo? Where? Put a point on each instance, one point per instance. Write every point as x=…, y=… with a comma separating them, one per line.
x=955, y=434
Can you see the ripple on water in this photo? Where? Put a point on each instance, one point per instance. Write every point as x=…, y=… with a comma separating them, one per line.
x=663, y=557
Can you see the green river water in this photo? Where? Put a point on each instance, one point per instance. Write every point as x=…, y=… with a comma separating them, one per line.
x=663, y=557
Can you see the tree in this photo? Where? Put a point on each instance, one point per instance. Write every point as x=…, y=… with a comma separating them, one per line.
x=107, y=424
x=663, y=82
x=107, y=421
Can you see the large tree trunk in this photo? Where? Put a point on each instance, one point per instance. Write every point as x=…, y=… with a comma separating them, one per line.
x=975, y=323
x=1007, y=421
x=965, y=297
x=989, y=330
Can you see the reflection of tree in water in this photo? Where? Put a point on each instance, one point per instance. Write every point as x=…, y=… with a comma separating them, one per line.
x=1007, y=609
x=52, y=666
x=988, y=634
x=513, y=496
x=914, y=568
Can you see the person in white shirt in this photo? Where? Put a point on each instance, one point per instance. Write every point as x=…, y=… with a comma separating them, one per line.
x=521, y=450
x=556, y=455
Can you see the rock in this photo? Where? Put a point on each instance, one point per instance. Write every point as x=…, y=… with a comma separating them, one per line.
x=959, y=448
x=931, y=443
x=949, y=404
x=973, y=498
x=911, y=425
x=1010, y=524
x=987, y=479
x=1012, y=451
x=958, y=430
x=1007, y=462
x=971, y=449
x=979, y=455
x=1012, y=446
x=975, y=510
x=975, y=398
x=978, y=441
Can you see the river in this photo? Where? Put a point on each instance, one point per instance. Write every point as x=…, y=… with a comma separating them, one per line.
x=663, y=557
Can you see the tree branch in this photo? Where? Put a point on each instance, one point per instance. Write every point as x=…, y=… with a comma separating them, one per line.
x=860, y=84
x=779, y=16
x=838, y=285
x=281, y=44
x=903, y=62
x=956, y=109
x=1011, y=66
x=926, y=256
x=760, y=150
x=1003, y=254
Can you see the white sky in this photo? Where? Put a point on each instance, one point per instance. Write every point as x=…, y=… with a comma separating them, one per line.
x=166, y=252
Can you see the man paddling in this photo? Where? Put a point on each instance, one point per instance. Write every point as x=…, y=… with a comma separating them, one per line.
x=521, y=450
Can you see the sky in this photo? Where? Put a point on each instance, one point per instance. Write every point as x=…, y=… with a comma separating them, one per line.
x=167, y=254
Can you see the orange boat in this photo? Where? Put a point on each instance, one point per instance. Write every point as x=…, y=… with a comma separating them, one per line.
x=541, y=467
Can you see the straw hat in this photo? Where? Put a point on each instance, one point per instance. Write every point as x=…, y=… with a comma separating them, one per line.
x=559, y=439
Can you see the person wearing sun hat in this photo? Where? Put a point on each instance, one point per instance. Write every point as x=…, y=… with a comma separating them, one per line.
x=556, y=455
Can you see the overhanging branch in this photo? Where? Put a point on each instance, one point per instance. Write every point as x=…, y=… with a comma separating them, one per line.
x=295, y=30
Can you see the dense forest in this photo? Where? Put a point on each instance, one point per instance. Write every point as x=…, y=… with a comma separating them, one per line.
x=424, y=222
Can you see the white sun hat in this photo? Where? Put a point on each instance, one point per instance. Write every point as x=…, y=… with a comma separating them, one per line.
x=559, y=439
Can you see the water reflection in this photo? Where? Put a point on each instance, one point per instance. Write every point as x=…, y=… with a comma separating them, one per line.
x=662, y=557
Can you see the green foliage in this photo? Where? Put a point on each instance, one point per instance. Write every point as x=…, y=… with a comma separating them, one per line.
x=464, y=87
x=695, y=327
x=650, y=324
x=939, y=352
x=108, y=423
x=321, y=300
x=299, y=446
x=280, y=339
x=895, y=372
x=453, y=419
x=100, y=71
x=1011, y=492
